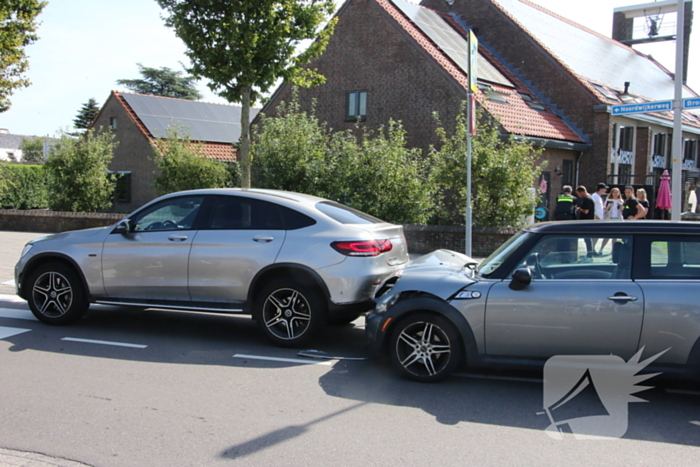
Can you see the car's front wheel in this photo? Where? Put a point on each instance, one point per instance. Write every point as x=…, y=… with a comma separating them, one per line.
x=425, y=347
x=289, y=313
x=56, y=295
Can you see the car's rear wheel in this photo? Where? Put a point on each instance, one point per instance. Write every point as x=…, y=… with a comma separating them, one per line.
x=289, y=313
x=425, y=347
x=56, y=295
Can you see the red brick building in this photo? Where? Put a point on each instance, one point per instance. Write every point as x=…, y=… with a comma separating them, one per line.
x=137, y=120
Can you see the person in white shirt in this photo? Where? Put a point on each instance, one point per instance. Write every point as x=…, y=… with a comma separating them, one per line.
x=601, y=189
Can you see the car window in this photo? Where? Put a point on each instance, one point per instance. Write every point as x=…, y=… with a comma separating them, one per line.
x=240, y=213
x=496, y=259
x=580, y=257
x=170, y=214
x=346, y=215
x=294, y=220
x=674, y=259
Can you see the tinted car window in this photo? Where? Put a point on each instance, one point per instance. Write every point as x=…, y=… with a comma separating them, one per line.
x=345, y=214
x=171, y=214
x=239, y=213
x=294, y=220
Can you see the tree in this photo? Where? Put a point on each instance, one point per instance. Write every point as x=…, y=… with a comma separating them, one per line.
x=17, y=31
x=376, y=173
x=86, y=114
x=33, y=150
x=504, y=170
x=243, y=47
x=182, y=166
x=163, y=82
x=78, y=178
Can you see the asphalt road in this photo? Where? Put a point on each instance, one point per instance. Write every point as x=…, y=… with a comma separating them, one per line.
x=128, y=388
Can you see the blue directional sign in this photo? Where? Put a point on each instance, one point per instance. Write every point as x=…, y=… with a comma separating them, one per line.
x=644, y=107
x=691, y=103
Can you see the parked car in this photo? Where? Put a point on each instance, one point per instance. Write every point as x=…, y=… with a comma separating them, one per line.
x=542, y=294
x=292, y=261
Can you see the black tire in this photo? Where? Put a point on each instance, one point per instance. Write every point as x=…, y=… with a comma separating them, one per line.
x=425, y=347
x=288, y=313
x=339, y=318
x=56, y=294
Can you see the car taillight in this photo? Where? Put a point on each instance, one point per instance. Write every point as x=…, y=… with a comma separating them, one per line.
x=362, y=247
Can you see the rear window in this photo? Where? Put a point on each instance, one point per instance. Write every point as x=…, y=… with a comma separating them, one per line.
x=346, y=215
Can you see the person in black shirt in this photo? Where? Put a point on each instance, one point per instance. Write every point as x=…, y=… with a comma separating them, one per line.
x=586, y=210
x=632, y=209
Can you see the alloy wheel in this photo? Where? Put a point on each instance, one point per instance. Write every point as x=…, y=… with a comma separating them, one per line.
x=52, y=294
x=423, y=349
x=287, y=314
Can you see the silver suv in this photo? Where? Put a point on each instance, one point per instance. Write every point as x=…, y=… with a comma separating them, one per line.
x=292, y=261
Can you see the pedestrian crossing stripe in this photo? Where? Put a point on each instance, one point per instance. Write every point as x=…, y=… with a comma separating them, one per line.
x=9, y=332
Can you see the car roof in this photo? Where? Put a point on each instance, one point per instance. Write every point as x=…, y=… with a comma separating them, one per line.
x=616, y=227
x=258, y=192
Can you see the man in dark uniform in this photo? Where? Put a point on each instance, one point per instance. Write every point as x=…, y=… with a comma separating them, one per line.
x=564, y=210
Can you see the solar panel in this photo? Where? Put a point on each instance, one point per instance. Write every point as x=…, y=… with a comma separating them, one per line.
x=216, y=123
x=449, y=41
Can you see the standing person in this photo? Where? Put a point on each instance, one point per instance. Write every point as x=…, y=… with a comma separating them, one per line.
x=631, y=209
x=586, y=205
x=601, y=189
x=613, y=205
x=586, y=210
x=564, y=210
x=642, y=199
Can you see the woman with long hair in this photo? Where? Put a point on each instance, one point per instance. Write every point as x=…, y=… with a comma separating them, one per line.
x=613, y=208
x=642, y=198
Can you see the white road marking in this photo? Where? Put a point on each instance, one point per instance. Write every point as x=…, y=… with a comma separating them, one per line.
x=11, y=298
x=285, y=360
x=118, y=344
x=14, y=313
x=9, y=332
x=10, y=282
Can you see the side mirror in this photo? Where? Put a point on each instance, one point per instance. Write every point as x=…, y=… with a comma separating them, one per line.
x=123, y=227
x=521, y=279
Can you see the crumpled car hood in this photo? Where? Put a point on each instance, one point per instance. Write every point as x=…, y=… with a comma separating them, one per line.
x=441, y=273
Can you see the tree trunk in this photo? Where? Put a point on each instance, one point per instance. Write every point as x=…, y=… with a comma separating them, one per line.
x=244, y=147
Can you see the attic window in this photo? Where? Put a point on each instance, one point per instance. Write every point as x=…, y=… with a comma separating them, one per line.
x=492, y=94
x=113, y=123
x=356, y=106
x=605, y=91
x=532, y=102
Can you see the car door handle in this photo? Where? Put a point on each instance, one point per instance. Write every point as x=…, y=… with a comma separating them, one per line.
x=177, y=238
x=623, y=298
x=263, y=239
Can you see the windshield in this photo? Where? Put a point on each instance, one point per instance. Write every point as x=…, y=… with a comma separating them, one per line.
x=490, y=264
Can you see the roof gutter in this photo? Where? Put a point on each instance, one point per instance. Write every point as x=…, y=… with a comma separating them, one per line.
x=550, y=143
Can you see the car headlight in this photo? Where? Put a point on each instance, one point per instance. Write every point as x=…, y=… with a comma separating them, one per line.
x=386, y=302
x=26, y=249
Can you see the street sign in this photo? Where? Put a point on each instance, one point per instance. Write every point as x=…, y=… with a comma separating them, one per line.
x=691, y=103
x=473, y=55
x=658, y=106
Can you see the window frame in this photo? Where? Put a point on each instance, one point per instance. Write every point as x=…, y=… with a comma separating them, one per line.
x=356, y=114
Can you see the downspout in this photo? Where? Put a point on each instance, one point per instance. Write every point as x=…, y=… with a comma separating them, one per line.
x=578, y=167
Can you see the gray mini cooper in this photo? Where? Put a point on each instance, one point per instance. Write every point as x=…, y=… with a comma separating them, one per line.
x=560, y=288
x=293, y=261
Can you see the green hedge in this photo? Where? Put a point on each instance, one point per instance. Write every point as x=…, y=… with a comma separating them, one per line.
x=23, y=187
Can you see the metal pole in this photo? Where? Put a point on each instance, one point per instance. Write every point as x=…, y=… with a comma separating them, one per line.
x=468, y=213
x=677, y=152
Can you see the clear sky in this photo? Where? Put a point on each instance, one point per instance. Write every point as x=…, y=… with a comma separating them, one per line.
x=86, y=45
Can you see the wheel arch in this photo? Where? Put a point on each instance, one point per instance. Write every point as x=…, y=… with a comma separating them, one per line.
x=297, y=272
x=427, y=303
x=51, y=257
